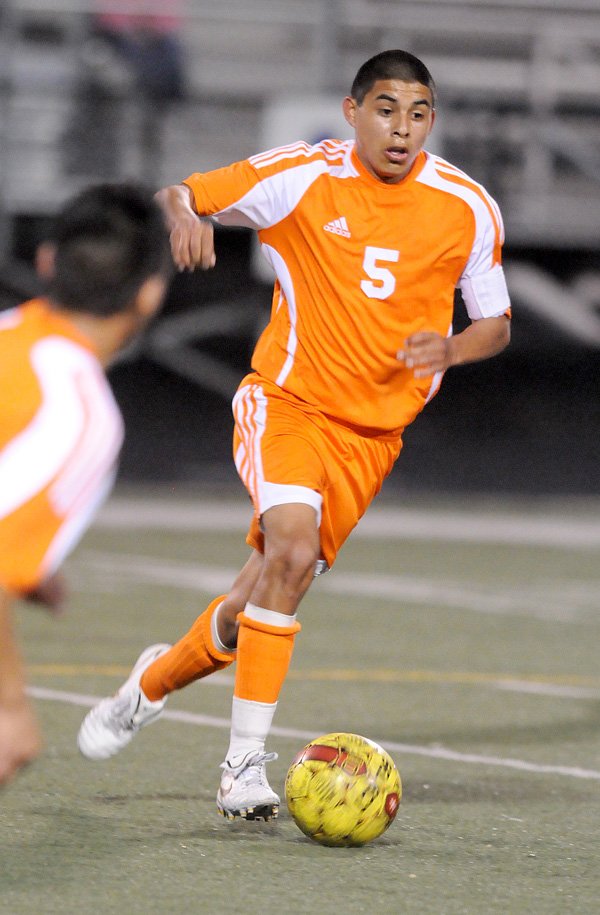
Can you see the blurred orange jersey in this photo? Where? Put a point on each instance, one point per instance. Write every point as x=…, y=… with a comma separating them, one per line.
x=60, y=435
x=360, y=265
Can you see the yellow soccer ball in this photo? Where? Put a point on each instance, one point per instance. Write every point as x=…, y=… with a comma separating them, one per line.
x=343, y=789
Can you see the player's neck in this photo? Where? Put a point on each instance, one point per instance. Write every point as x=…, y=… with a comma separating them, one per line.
x=107, y=336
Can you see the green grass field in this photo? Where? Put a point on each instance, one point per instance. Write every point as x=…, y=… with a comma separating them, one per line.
x=465, y=640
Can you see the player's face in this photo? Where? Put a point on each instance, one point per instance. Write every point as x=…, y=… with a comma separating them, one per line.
x=391, y=127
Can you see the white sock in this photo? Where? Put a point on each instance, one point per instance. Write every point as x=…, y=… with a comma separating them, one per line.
x=250, y=725
x=250, y=720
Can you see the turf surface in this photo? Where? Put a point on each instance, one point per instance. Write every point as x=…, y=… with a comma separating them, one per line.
x=476, y=664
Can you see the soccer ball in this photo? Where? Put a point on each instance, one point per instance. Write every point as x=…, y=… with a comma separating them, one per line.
x=342, y=789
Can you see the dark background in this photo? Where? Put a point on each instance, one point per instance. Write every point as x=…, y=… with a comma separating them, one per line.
x=525, y=422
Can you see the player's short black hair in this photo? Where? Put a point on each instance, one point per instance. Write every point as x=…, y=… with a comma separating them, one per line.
x=109, y=240
x=394, y=64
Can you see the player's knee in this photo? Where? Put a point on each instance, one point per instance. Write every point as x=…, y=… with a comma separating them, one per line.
x=293, y=561
x=291, y=547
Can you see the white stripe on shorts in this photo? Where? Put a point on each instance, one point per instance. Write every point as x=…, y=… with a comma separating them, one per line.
x=250, y=412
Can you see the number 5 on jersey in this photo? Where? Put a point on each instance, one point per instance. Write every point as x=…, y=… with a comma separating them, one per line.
x=385, y=281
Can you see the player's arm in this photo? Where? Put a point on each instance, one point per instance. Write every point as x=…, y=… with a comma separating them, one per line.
x=241, y=194
x=20, y=740
x=485, y=294
x=192, y=238
x=427, y=352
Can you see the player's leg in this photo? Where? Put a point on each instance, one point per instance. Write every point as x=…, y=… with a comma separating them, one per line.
x=265, y=643
x=277, y=458
x=210, y=643
x=277, y=452
x=339, y=496
x=207, y=647
x=277, y=578
x=20, y=741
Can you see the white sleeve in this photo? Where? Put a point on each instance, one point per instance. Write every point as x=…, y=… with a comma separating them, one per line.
x=258, y=192
x=482, y=284
x=71, y=444
x=273, y=198
x=485, y=294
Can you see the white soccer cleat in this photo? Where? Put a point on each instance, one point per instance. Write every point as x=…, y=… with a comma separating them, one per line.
x=244, y=790
x=111, y=724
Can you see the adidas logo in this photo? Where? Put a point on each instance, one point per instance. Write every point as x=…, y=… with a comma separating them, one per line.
x=338, y=227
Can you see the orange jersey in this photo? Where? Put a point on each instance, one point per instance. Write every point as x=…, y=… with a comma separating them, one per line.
x=360, y=265
x=60, y=435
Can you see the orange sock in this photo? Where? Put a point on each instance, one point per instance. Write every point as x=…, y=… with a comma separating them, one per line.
x=263, y=657
x=191, y=658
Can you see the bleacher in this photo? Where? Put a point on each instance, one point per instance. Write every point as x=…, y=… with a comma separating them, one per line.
x=519, y=93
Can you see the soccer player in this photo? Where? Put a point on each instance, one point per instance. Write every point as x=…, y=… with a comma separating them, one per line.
x=368, y=240
x=106, y=268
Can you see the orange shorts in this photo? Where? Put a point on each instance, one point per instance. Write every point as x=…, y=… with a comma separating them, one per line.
x=287, y=451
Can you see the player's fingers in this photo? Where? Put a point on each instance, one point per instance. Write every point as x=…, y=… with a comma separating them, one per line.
x=180, y=249
x=422, y=347
x=421, y=337
x=411, y=357
x=429, y=357
x=208, y=247
x=202, y=248
x=427, y=352
x=425, y=345
x=414, y=347
x=424, y=363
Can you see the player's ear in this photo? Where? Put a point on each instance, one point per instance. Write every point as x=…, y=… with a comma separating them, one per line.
x=349, y=106
x=150, y=296
x=44, y=260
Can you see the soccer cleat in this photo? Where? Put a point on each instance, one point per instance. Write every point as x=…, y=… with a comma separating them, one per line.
x=244, y=790
x=111, y=724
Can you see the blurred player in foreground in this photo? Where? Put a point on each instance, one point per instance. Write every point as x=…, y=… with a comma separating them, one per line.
x=368, y=239
x=105, y=268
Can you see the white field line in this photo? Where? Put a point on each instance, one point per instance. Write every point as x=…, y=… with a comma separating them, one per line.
x=407, y=749
x=547, y=529
x=533, y=687
x=559, y=691
x=554, y=602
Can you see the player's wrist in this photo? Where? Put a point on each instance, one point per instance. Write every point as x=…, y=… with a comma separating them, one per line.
x=453, y=354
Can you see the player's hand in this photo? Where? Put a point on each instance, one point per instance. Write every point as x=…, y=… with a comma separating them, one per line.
x=192, y=238
x=20, y=740
x=50, y=594
x=426, y=353
x=192, y=242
